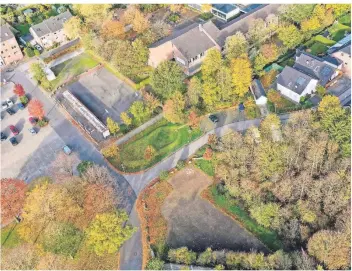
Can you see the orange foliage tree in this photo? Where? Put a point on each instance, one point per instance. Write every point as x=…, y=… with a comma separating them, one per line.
x=113, y=29
x=193, y=119
x=149, y=153
x=18, y=90
x=208, y=154
x=35, y=108
x=13, y=193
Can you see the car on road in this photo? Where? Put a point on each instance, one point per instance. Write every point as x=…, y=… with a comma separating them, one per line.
x=10, y=111
x=14, y=130
x=9, y=102
x=3, y=136
x=32, y=131
x=13, y=141
x=214, y=118
x=38, y=47
x=67, y=150
x=20, y=106
x=4, y=105
x=10, y=70
x=32, y=121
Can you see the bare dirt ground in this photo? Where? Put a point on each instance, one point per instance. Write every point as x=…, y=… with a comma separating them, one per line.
x=195, y=223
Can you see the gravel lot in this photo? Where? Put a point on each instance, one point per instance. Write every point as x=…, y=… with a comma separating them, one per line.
x=195, y=223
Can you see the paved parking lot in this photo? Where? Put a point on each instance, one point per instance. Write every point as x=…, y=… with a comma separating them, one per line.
x=34, y=153
x=104, y=94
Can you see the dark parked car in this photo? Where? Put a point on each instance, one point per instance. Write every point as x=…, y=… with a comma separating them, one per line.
x=10, y=111
x=13, y=141
x=32, y=120
x=3, y=136
x=10, y=70
x=214, y=118
x=14, y=130
x=32, y=131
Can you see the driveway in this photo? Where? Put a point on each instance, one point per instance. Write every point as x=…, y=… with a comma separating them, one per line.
x=202, y=225
x=104, y=94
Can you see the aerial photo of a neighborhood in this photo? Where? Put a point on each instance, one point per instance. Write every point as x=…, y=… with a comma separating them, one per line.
x=175, y=136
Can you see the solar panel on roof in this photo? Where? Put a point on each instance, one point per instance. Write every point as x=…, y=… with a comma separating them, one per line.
x=326, y=70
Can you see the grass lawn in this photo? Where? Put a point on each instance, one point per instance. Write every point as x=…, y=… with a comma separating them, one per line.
x=345, y=19
x=72, y=67
x=9, y=236
x=23, y=28
x=337, y=31
x=206, y=166
x=267, y=236
x=163, y=136
x=324, y=40
x=318, y=48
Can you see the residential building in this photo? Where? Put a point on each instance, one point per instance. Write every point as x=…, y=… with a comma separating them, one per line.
x=189, y=46
x=258, y=92
x=294, y=84
x=27, y=39
x=343, y=54
x=10, y=50
x=225, y=11
x=51, y=31
x=345, y=40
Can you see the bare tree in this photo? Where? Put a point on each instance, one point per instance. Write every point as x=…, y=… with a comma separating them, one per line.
x=64, y=165
x=99, y=175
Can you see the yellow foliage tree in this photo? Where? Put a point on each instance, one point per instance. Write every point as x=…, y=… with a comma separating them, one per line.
x=72, y=27
x=206, y=7
x=113, y=29
x=111, y=151
x=241, y=74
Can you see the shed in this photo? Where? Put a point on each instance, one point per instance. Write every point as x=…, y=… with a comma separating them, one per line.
x=258, y=92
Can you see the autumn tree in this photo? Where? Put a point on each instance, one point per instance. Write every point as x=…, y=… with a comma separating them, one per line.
x=160, y=29
x=331, y=248
x=182, y=255
x=257, y=30
x=241, y=74
x=23, y=257
x=176, y=8
x=64, y=165
x=106, y=233
x=113, y=29
x=268, y=78
x=275, y=97
x=173, y=108
x=167, y=79
x=236, y=45
x=35, y=109
x=13, y=193
x=339, y=9
x=18, y=90
x=149, y=153
x=140, y=23
x=112, y=125
x=111, y=151
x=297, y=12
x=93, y=14
x=270, y=51
x=266, y=215
x=193, y=120
x=99, y=175
x=290, y=36
x=126, y=118
x=194, y=91
x=150, y=100
x=206, y=7
x=208, y=154
x=73, y=27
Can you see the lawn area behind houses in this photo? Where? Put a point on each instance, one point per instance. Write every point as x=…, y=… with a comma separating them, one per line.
x=163, y=136
x=72, y=67
x=9, y=236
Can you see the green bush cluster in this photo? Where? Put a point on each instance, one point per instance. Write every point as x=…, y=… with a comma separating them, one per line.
x=164, y=175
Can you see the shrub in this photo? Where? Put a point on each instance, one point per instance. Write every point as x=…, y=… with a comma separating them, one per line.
x=163, y=175
x=206, y=16
x=110, y=151
x=155, y=264
x=174, y=18
x=219, y=267
x=206, y=258
x=29, y=52
x=182, y=256
x=42, y=122
x=180, y=164
x=83, y=166
x=36, y=52
x=24, y=99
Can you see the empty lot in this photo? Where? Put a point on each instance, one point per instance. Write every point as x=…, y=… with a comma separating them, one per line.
x=104, y=94
x=195, y=223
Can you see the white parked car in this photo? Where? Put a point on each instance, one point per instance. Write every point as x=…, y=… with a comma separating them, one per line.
x=9, y=102
x=38, y=47
x=4, y=105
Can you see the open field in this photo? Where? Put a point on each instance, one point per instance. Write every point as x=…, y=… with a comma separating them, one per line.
x=163, y=136
x=197, y=224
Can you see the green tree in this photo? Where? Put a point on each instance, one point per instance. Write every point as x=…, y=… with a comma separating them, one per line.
x=266, y=215
x=194, y=91
x=339, y=9
x=62, y=238
x=257, y=30
x=112, y=125
x=321, y=91
x=166, y=79
x=206, y=258
x=173, y=108
x=83, y=166
x=155, y=264
x=182, y=256
x=140, y=112
x=106, y=233
x=125, y=118
x=290, y=36
x=29, y=52
x=241, y=75
x=331, y=248
x=236, y=45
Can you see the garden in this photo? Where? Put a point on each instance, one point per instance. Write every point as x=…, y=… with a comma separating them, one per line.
x=152, y=145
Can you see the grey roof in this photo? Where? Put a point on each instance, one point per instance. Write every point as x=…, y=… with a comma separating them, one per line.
x=27, y=38
x=333, y=60
x=6, y=33
x=314, y=66
x=60, y=48
x=293, y=79
x=249, y=8
x=193, y=43
x=258, y=89
x=224, y=8
x=52, y=24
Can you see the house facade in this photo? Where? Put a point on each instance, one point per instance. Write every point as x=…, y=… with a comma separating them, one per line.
x=225, y=11
x=10, y=50
x=51, y=31
x=344, y=55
